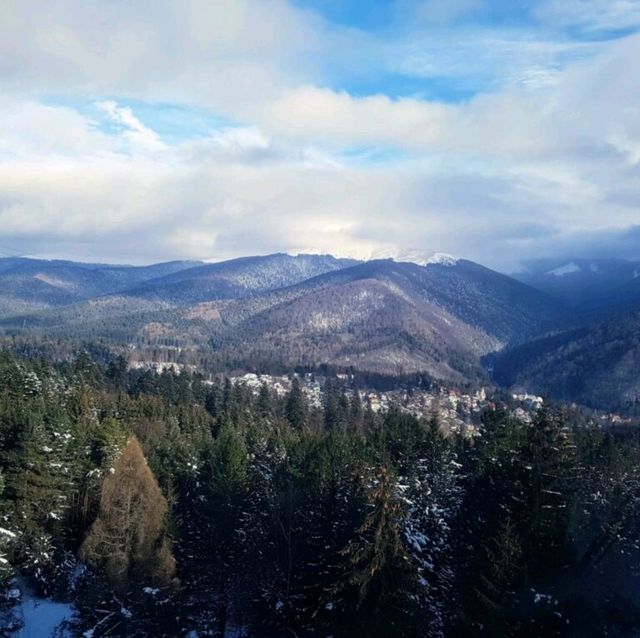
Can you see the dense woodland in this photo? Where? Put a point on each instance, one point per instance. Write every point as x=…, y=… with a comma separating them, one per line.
x=161, y=505
x=597, y=365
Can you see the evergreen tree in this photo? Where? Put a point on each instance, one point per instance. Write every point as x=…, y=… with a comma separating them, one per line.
x=222, y=541
x=296, y=406
x=381, y=572
x=265, y=404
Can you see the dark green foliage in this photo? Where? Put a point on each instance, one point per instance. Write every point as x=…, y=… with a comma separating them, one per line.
x=379, y=565
x=290, y=520
x=295, y=406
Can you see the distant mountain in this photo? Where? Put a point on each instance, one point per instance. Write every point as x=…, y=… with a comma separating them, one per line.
x=371, y=317
x=380, y=315
x=549, y=332
x=237, y=278
x=391, y=316
x=506, y=309
x=589, y=285
x=34, y=284
x=597, y=365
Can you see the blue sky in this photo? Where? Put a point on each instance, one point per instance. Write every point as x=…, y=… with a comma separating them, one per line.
x=493, y=129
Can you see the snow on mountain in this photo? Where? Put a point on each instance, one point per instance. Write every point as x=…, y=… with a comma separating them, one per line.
x=417, y=256
x=441, y=259
x=567, y=269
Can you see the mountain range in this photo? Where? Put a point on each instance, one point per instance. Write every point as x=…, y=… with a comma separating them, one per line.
x=443, y=316
x=590, y=286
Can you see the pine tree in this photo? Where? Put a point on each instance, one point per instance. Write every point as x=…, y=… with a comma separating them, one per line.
x=265, y=404
x=296, y=406
x=356, y=412
x=222, y=543
x=380, y=567
x=7, y=541
x=550, y=486
x=498, y=581
x=431, y=488
x=32, y=484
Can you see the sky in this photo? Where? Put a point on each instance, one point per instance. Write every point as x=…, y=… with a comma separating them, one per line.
x=136, y=131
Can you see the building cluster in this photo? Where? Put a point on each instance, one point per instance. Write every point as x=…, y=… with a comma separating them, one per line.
x=455, y=410
x=610, y=418
x=161, y=366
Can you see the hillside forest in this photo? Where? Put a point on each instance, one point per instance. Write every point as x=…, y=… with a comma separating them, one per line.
x=167, y=505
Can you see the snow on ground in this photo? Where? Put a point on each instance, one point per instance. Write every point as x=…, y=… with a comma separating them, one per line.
x=40, y=616
x=416, y=256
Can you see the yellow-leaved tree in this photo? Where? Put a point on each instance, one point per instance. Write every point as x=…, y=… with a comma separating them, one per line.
x=128, y=540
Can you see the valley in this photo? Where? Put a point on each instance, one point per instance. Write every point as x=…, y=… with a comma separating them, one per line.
x=447, y=318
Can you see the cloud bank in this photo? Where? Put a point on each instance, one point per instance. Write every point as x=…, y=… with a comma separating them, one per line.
x=136, y=132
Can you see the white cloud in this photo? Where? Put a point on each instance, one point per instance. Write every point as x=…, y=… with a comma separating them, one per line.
x=528, y=167
x=590, y=15
x=139, y=135
x=591, y=109
x=219, y=54
x=30, y=129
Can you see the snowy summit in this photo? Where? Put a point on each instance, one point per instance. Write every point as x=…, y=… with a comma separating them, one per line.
x=441, y=259
x=419, y=257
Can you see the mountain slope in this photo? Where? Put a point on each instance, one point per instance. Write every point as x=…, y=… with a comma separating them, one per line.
x=237, y=277
x=34, y=284
x=370, y=324
x=596, y=365
x=389, y=316
x=503, y=308
x=380, y=315
x=586, y=284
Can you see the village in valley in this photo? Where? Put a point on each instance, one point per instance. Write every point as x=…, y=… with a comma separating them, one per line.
x=455, y=410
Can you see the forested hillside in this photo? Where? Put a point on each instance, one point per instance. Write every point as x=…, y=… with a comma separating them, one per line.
x=164, y=505
x=36, y=284
x=591, y=286
x=597, y=365
x=284, y=311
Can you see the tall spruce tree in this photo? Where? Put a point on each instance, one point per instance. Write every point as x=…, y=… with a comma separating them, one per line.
x=296, y=405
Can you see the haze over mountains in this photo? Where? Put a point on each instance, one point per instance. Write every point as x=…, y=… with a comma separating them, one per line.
x=38, y=283
x=548, y=325
x=589, y=285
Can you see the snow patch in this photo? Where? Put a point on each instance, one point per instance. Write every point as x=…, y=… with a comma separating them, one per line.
x=55, y=281
x=41, y=617
x=567, y=269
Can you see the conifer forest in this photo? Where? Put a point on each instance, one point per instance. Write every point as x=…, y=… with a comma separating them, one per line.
x=161, y=504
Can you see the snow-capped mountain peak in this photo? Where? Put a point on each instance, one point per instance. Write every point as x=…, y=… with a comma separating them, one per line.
x=441, y=259
x=418, y=257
